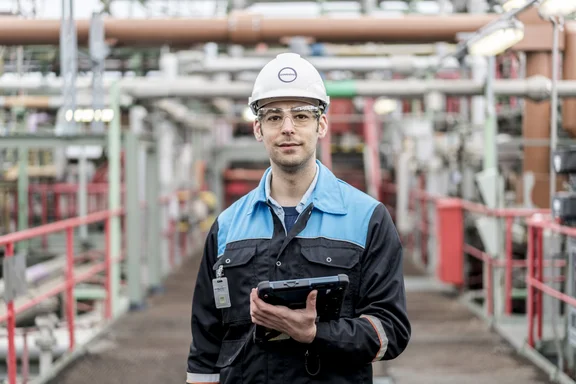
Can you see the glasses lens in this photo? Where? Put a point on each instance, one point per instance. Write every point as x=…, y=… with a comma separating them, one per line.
x=300, y=116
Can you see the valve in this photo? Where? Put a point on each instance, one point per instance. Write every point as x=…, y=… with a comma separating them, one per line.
x=564, y=203
x=46, y=340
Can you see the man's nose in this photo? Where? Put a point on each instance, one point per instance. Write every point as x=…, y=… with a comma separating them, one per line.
x=287, y=126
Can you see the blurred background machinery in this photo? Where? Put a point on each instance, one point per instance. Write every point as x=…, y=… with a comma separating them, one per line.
x=140, y=106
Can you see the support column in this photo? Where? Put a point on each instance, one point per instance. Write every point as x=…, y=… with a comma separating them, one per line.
x=133, y=223
x=114, y=196
x=22, y=194
x=82, y=194
x=153, y=222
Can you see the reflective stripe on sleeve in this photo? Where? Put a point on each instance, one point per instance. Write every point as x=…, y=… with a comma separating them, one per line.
x=377, y=324
x=202, y=378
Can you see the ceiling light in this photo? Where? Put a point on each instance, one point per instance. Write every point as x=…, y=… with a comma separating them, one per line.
x=510, y=5
x=550, y=8
x=497, y=38
x=384, y=106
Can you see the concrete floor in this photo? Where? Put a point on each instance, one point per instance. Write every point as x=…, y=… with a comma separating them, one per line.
x=449, y=344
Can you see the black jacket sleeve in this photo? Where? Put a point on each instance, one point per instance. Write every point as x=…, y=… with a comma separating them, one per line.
x=381, y=330
x=206, y=321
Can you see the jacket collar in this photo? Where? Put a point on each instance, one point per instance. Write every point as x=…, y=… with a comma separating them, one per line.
x=326, y=196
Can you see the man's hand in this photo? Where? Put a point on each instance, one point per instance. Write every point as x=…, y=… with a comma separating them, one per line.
x=299, y=324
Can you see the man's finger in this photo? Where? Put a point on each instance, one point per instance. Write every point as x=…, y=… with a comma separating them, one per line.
x=311, y=301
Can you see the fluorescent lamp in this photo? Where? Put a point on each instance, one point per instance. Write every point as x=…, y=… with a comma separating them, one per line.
x=497, y=38
x=550, y=8
x=510, y=5
x=384, y=106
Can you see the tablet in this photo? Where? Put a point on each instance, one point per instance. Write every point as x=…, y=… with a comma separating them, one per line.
x=293, y=294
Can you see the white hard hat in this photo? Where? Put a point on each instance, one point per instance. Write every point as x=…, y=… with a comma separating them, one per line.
x=288, y=76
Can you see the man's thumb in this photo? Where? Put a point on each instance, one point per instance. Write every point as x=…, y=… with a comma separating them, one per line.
x=311, y=302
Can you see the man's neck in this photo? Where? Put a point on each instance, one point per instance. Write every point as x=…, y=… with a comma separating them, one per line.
x=288, y=188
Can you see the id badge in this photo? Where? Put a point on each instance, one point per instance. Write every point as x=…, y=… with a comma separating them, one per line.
x=221, y=292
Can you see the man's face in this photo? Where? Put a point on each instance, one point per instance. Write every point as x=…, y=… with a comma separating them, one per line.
x=290, y=131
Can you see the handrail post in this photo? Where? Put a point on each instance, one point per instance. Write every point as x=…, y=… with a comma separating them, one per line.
x=70, y=302
x=44, y=214
x=108, y=265
x=12, y=367
x=509, y=267
x=530, y=276
x=540, y=298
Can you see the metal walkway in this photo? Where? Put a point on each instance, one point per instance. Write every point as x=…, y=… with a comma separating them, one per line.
x=449, y=344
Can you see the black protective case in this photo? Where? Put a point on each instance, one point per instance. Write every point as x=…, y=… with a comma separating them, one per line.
x=293, y=294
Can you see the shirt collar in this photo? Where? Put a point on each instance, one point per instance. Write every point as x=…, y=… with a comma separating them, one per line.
x=302, y=204
x=325, y=192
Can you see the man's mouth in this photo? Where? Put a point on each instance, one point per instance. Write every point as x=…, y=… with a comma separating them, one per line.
x=288, y=145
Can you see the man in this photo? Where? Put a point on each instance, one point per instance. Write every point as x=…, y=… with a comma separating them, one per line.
x=300, y=222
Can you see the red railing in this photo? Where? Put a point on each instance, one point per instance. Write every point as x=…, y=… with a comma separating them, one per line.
x=50, y=203
x=535, y=280
x=521, y=248
x=67, y=286
x=430, y=225
x=509, y=264
x=177, y=234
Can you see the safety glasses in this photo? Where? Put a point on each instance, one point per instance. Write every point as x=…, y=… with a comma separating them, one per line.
x=301, y=116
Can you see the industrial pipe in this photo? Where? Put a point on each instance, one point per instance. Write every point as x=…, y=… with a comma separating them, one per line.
x=403, y=64
x=245, y=28
x=536, y=88
x=181, y=114
x=52, y=102
x=536, y=125
x=569, y=73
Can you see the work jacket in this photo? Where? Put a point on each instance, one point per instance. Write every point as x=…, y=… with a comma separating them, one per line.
x=340, y=230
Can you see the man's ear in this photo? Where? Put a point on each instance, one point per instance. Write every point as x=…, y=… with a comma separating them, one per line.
x=322, y=126
x=257, y=127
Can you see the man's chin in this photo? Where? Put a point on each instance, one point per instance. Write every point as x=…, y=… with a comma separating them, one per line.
x=290, y=165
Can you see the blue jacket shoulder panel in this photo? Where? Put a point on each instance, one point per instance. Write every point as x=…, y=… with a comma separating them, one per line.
x=351, y=226
x=241, y=221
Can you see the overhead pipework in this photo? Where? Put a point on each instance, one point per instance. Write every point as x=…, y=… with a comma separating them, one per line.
x=441, y=105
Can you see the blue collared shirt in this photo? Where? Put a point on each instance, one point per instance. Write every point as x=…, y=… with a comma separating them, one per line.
x=278, y=209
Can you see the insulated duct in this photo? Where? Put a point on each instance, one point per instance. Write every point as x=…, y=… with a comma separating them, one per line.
x=246, y=28
x=401, y=63
x=535, y=88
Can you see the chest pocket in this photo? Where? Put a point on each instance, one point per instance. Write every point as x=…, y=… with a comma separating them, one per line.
x=239, y=268
x=321, y=261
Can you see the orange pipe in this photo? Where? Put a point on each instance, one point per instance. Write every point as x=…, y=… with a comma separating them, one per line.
x=245, y=28
x=536, y=125
x=569, y=73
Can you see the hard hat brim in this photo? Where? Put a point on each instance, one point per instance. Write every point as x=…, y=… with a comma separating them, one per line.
x=284, y=94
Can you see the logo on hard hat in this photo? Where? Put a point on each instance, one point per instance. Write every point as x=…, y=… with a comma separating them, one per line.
x=287, y=75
